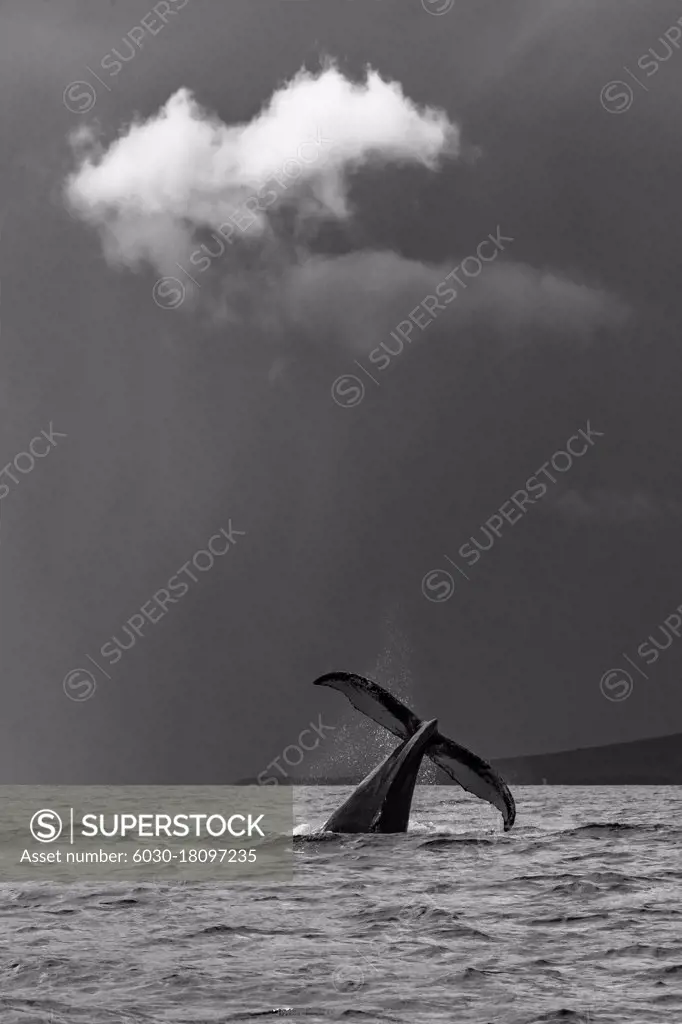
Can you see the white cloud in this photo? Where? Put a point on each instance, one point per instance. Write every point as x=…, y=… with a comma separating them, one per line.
x=183, y=169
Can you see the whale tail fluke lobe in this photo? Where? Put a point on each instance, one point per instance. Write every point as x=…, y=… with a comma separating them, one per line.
x=469, y=770
x=473, y=774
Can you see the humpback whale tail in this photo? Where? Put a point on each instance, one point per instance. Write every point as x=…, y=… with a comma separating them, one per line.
x=469, y=770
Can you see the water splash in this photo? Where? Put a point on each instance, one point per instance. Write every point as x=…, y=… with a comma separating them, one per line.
x=360, y=743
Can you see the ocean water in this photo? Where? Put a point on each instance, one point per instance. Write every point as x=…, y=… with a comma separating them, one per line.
x=573, y=916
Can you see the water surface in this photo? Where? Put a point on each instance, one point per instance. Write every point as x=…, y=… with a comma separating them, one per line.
x=574, y=916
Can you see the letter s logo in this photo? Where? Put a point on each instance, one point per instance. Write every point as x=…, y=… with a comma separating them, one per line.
x=617, y=97
x=438, y=586
x=46, y=826
x=348, y=391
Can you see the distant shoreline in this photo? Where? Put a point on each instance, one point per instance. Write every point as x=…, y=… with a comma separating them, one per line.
x=650, y=762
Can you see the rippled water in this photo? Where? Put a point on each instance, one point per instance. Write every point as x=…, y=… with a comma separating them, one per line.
x=576, y=915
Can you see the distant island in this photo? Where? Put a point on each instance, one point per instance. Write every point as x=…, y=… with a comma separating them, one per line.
x=653, y=762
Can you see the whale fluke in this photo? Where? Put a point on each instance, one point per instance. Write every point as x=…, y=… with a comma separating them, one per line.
x=469, y=770
x=381, y=803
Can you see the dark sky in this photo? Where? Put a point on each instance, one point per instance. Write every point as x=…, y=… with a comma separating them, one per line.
x=180, y=420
